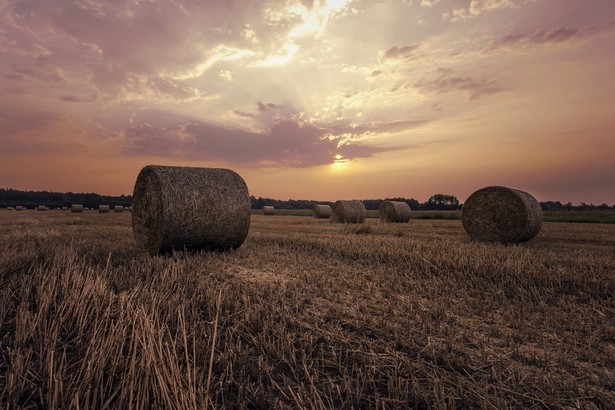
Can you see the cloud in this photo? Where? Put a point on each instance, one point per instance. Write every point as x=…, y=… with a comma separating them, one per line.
x=400, y=53
x=429, y=3
x=446, y=82
x=74, y=98
x=264, y=107
x=478, y=7
x=288, y=143
x=559, y=35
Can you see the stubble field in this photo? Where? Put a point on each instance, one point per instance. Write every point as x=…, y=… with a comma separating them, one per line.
x=306, y=314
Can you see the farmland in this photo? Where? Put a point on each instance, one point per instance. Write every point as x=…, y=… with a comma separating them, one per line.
x=306, y=314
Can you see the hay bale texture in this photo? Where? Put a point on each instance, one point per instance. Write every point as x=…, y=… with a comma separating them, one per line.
x=103, y=209
x=76, y=208
x=394, y=211
x=322, y=211
x=500, y=214
x=190, y=208
x=268, y=210
x=348, y=212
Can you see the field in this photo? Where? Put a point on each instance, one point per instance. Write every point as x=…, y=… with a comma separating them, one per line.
x=306, y=314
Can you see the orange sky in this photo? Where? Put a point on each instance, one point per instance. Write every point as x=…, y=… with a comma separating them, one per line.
x=418, y=97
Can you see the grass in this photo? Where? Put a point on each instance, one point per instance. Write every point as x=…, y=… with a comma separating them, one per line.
x=306, y=314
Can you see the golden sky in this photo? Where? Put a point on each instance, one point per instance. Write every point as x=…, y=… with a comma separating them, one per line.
x=414, y=97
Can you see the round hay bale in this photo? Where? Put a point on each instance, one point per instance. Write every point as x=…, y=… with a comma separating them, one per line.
x=394, y=211
x=65, y=208
x=268, y=210
x=103, y=209
x=500, y=214
x=76, y=208
x=348, y=212
x=322, y=211
x=19, y=208
x=118, y=208
x=10, y=208
x=190, y=208
x=41, y=208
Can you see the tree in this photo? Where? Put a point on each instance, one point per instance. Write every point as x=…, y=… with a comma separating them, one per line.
x=442, y=202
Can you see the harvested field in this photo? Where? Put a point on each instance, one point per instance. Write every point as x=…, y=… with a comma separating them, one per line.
x=305, y=314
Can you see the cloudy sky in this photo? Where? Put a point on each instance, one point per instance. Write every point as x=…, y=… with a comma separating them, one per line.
x=312, y=99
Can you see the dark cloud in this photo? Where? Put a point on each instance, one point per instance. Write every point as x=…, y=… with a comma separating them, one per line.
x=264, y=107
x=74, y=98
x=445, y=81
x=559, y=35
x=288, y=143
x=401, y=53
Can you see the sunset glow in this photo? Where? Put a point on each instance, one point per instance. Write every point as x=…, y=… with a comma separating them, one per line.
x=408, y=97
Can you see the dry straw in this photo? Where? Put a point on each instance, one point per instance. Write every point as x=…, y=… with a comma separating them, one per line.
x=500, y=214
x=349, y=212
x=268, y=210
x=118, y=208
x=394, y=211
x=103, y=209
x=322, y=211
x=190, y=208
x=76, y=208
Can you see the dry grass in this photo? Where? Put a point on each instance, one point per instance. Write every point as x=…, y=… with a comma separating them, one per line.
x=306, y=314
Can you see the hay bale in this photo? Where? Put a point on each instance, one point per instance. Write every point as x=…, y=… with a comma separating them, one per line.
x=76, y=208
x=103, y=209
x=322, y=211
x=65, y=208
x=41, y=208
x=118, y=208
x=10, y=208
x=394, y=211
x=268, y=210
x=500, y=214
x=348, y=212
x=19, y=208
x=190, y=208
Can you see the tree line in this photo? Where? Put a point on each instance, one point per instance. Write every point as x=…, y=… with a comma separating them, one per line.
x=443, y=202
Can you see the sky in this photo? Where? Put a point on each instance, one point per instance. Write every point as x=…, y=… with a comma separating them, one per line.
x=308, y=99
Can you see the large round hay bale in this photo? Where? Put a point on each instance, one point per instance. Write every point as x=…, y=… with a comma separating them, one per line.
x=190, y=208
x=500, y=214
x=118, y=208
x=322, y=211
x=268, y=210
x=394, y=211
x=103, y=209
x=76, y=208
x=348, y=212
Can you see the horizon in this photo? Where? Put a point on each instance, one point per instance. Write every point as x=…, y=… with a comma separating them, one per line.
x=307, y=98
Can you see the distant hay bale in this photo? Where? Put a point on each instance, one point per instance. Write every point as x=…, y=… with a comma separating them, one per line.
x=500, y=214
x=86, y=208
x=10, y=208
x=322, y=211
x=394, y=211
x=103, y=209
x=65, y=208
x=177, y=208
x=19, y=208
x=118, y=208
x=76, y=208
x=41, y=208
x=268, y=210
x=348, y=212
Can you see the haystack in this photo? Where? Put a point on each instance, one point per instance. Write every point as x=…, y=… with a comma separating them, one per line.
x=500, y=214
x=76, y=208
x=190, y=208
x=322, y=211
x=394, y=211
x=268, y=210
x=349, y=212
x=103, y=209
